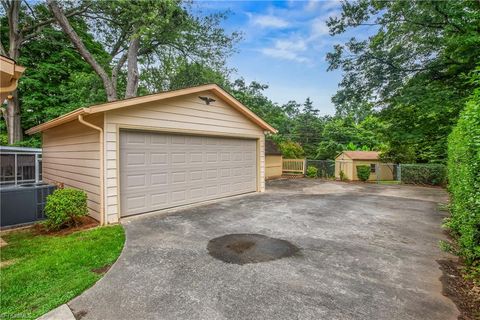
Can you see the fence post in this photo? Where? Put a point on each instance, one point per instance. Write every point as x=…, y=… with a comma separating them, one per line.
x=304, y=166
x=399, y=172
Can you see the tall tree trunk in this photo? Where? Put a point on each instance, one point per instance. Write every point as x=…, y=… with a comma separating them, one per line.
x=132, y=73
x=82, y=49
x=12, y=113
x=14, y=125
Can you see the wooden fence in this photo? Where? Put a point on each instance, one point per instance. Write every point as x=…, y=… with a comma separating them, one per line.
x=293, y=166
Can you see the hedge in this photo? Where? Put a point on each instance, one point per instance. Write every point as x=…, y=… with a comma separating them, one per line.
x=464, y=181
x=424, y=173
x=363, y=173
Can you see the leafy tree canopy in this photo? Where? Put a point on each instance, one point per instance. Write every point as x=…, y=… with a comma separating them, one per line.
x=412, y=69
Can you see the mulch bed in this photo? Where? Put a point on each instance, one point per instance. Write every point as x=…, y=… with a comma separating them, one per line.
x=460, y=290
x=83, y=223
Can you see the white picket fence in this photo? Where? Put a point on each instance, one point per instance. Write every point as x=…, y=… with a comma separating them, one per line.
x=294, y=166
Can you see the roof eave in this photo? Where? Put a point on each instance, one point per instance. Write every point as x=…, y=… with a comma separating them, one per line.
x=58, y=121
x=155, y=97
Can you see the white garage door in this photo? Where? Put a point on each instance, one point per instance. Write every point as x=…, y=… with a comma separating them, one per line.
x=160, y=170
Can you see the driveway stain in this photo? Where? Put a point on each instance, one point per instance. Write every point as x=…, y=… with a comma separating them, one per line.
x=250, y=248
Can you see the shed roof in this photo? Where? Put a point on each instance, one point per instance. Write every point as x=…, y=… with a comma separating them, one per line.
x=215, y=89
x=271, y=148
x=9, y=149
x=362, y=155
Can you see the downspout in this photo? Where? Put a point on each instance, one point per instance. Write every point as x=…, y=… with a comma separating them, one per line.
x=102, y=191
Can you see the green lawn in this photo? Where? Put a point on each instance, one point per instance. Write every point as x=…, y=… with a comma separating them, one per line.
x=48, y=271
x=388, y=182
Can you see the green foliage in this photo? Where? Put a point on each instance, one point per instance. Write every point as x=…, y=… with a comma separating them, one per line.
x=464, y=178
x=343, y=176
x=446, y=247
x=412, y=70
x=312, y=172
x=3, y=139
x=48, y=271
x=195, y=74
x=340, y=134
x=64, y=206
x=363, y=173
x=179, y=46
x=325, y=168
x=252, y=95
x=291, y=150
x=56, y=80
x=308, y=127
x=31, y=142
x=424, y=173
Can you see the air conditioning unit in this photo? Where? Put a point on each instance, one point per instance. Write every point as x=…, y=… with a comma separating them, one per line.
x=23, y=204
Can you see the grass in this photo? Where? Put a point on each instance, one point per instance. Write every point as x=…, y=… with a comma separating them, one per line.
x=46, y=271
x=388, y=182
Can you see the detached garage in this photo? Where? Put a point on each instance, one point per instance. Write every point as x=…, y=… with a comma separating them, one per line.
x=158, y=151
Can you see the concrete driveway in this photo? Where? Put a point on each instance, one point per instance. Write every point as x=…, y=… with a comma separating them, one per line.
x=366, y=252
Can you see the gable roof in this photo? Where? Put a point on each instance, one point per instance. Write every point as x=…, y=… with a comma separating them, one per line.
x=215, y=89
x=271, y=148
x=362, y=155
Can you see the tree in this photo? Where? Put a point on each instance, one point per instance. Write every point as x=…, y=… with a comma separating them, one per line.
x=252, y=96
x=193, y=74
x=57, y=79
x=291, y=150
x=340, y=134
x=25, y=20
x=308, y=128
x=146, y=32
x=412, y=68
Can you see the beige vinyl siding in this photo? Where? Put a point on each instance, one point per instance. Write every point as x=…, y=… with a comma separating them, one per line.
x=349, y=167
x=71, y=156
x=345, y=164
x=385, y=170
x=273, y=166
x=186, y=114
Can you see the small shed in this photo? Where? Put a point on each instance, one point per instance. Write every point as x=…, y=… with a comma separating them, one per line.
x=347, y=161
x=273, y=160
x=157, y=151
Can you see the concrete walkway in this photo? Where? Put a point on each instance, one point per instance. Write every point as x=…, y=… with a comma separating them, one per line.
x=61, y=313
x=366, y=252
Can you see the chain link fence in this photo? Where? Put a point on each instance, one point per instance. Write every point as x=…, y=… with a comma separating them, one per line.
x=326, y=168
x=417, y=173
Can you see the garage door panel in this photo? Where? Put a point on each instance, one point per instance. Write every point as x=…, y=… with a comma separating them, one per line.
x=164, y=170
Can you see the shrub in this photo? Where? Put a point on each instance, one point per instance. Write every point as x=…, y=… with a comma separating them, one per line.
x=63, y=208
x=3, y=139
x=363, y=173
x=312, y=172
x=343, y=176
x=464, y=181
x=291, y=150
x=424, y=173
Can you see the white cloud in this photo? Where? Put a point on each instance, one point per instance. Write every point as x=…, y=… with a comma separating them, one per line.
x=311, y=5
x=269, y=21
x=331, y=4
x=319, y=27
x=324, y=5
x=288, y=49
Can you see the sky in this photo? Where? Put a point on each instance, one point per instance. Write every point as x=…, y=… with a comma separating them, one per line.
x=284, y=45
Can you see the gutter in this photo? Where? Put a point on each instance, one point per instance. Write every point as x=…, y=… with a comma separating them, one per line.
x=102, y=174
x=72, y=115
